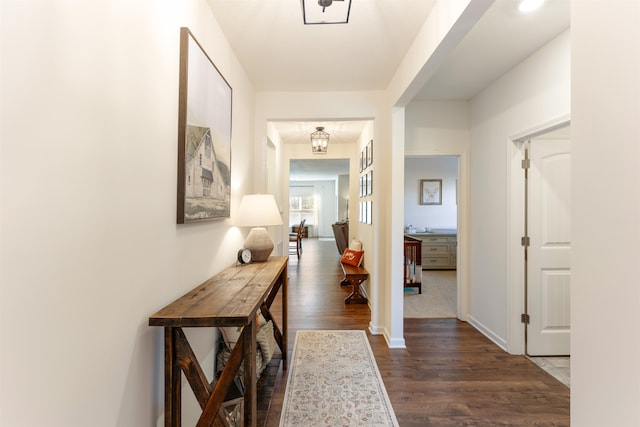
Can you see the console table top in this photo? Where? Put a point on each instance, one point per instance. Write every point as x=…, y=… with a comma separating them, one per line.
x=230, y=298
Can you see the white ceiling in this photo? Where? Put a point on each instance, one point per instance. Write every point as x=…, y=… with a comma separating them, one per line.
x=280, y=53
x=501, y=39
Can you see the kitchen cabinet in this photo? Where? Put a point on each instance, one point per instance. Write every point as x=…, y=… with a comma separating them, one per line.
x=439, y=249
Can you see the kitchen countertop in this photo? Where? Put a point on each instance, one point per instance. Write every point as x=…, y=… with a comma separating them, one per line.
x=434, y=232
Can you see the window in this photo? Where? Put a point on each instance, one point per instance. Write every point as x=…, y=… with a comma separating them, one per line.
x=302, y=205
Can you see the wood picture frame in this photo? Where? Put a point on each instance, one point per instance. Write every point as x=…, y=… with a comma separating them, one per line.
x=204, y=136
x=370, y=153
x=430, y=192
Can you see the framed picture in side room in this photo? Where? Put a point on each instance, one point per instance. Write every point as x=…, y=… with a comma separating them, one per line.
x=430, y=192
x=204, y=136
x=370, y=153
x=369, y=183
x=368, y=210
x=361, y=162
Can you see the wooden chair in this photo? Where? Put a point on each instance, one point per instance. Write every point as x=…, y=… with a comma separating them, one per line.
x=341, y=233
x=295, y=240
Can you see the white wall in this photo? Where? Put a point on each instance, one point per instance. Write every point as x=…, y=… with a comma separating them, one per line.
x=431, y=216
x=364, y=232
x=437, y=128
x=534, y=92
x=343, y=197
x=605, y=291
x=90, y=247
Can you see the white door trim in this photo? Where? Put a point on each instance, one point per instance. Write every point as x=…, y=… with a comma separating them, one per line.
x=515, y=230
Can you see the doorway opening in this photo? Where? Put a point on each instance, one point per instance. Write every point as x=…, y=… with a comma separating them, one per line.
x=431, y=216
x=318, y=194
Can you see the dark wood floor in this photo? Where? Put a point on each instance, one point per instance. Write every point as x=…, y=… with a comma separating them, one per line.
x=448, y=375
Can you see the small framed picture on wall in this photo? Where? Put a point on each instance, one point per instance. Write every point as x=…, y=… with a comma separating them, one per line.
x=430, y=191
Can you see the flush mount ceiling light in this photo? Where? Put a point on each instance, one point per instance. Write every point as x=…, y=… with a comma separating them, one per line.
x=326, y=11
x=319, y=141
x=529, y=5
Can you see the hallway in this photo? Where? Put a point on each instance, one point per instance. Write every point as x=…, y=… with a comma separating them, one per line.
x=449, y=374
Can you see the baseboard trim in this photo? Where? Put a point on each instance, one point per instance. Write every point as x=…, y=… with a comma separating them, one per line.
x=500, y=342
x=391, y=342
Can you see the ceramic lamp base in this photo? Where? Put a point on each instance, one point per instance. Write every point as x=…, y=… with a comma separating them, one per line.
x=260, y=244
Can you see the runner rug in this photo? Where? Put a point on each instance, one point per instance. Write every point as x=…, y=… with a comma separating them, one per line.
x=334, y=381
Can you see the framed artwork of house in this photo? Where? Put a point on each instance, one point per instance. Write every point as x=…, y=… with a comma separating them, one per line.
x=204, y=136
x=430, y=191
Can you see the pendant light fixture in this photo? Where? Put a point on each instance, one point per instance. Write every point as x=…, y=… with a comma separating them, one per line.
x=319, y=141
x=326, y=11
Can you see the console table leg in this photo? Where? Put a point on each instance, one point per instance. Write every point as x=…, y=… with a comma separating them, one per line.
x=172, y=380
x=250, y=389
x=285, y=320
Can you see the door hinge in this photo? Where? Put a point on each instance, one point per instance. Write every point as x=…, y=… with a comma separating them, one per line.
x=526, y=163
x=524, y=318
x=525, y=241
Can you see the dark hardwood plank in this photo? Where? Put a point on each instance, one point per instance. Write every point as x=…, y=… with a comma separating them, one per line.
x=449, y=374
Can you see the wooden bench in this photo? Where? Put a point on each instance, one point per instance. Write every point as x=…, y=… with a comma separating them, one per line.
x=354, y=276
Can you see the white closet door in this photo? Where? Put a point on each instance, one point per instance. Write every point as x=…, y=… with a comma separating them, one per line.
x=549, y=272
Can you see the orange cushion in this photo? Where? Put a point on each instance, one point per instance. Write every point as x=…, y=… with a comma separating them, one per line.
x=351, y=257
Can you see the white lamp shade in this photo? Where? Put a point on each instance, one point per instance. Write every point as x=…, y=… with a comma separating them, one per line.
x=258, y=210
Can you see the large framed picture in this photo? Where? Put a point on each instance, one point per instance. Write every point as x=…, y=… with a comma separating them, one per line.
x=430, y=191
x=204, y=136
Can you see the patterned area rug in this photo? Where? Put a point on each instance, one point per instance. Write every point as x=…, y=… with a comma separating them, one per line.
x=334, y=381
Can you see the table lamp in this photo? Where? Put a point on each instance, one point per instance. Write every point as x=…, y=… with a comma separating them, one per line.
x=258, y=211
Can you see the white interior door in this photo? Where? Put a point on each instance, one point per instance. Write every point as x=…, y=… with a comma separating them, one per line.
x=549, y=230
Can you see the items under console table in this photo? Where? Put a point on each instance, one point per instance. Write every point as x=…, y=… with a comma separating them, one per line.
x=230, y=298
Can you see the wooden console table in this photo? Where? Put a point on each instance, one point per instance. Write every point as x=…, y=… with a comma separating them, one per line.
x=230, y=298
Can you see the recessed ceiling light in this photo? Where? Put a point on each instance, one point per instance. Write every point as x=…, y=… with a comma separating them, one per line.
x=529, y=5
